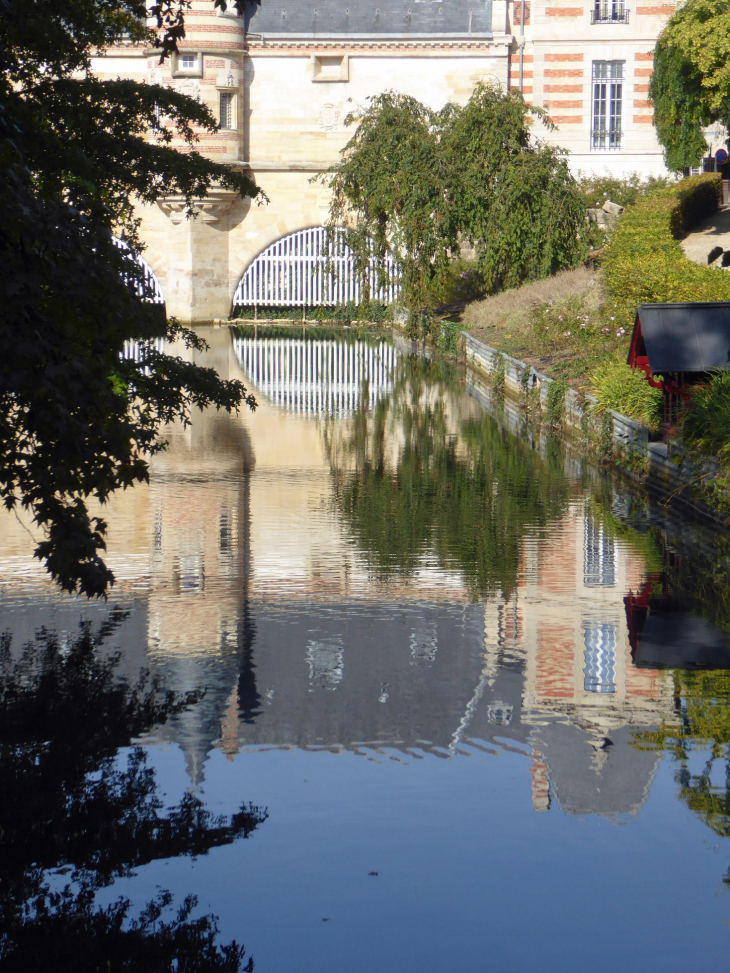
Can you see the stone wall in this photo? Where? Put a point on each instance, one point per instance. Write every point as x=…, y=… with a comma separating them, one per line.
x=662, y=466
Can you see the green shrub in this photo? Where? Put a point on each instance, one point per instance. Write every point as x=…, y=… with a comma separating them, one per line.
x=448, y=337
x=555, y=405
x=645, y=264
x=626, y=191
x=497, y=375
x=619, y=388
x=460, y=282
x=706, y=425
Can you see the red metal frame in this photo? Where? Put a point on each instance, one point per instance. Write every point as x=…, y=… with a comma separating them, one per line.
x=639, y=359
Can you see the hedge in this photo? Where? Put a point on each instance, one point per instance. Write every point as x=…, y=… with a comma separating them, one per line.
x=644, y=262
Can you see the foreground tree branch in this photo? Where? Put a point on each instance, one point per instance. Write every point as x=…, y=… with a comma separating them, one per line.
x=77, y=420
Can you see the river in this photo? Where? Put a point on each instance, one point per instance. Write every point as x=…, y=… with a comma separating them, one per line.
x=465, y=698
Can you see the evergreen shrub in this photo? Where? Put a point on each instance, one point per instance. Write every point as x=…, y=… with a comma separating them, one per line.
x=706, y=424
x=644, y=262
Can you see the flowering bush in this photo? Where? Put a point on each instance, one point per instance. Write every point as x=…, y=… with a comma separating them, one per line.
x=571, y=326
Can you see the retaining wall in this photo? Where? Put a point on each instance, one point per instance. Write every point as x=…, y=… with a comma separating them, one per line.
x=663, y=465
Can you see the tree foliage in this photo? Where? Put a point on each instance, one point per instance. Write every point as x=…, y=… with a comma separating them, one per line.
x=76, y=155
x=690, y=87
x=75, y=815
x=414, y=182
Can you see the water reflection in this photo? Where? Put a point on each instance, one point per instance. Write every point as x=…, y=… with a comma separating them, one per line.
x=409, y=576
x=699, y=740
x=399, y=579
x=80, y=807
x=317, y=377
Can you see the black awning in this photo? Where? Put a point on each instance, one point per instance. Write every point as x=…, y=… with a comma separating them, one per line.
x=681, y=640
x=686, y=337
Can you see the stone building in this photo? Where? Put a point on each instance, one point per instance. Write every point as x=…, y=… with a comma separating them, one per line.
x=283, y=80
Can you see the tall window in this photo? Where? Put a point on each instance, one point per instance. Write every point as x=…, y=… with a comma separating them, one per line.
x=226, y=113
x=608, y=82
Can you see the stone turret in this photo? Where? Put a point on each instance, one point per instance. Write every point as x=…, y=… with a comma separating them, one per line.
x=209, y=66
x=193, y=255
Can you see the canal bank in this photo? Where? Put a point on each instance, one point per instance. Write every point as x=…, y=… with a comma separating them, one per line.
x=664, y=467
x=609, y=437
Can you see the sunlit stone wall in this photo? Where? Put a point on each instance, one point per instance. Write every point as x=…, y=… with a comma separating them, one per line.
x=283, y=94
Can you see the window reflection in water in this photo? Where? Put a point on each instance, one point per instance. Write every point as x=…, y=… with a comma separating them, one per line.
x=599, y=566
x=326, y=661
x=600, y=658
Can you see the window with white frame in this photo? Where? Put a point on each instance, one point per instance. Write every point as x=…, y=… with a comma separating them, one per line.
x=608, y=83
x=226, y=109
x=187, y=64
x=609, y=12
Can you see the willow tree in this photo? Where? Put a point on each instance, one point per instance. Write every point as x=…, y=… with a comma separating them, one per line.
x=413, y=183
x=391, y=191
x=690, y=87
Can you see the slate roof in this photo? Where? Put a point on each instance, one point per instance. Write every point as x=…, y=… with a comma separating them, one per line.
x=686, y=337
x=363, y=18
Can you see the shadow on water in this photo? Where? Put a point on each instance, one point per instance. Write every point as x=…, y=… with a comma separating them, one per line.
x=80, y=807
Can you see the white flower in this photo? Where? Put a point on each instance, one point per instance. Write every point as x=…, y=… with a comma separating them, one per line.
x=566, y=334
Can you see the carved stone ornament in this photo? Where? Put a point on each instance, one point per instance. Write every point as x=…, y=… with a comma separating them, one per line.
x=188, y=87
x=210, y=210
x=329, y=116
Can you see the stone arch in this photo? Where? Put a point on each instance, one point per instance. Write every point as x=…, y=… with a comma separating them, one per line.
x=294, y=270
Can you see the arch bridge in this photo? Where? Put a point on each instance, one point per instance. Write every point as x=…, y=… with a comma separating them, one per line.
x=146, y=286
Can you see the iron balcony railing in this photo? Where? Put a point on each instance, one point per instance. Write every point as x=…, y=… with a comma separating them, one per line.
x=604, y=138
x=609, y=15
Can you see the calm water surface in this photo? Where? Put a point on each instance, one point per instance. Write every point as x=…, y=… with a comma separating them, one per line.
x=472, y=694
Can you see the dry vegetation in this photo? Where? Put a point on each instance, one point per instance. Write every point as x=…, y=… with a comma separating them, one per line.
x=565, y=326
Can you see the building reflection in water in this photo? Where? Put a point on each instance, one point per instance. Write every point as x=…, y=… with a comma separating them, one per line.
x=316, y=377
x=252, y=587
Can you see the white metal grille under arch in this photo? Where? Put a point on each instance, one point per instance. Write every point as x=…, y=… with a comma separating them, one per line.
x=294, y=272
x=148, y=289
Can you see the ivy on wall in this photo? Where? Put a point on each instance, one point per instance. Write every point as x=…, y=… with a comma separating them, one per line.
x=690, y=86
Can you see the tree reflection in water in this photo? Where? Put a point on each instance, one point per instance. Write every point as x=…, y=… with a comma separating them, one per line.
x=74, y=817
x=462, y=488
x=703, y=707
